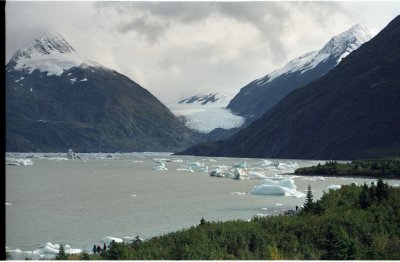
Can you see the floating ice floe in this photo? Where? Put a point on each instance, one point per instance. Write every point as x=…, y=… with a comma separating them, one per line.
x=263, y=163
x=8, y=204
x=334, y=187
x=128, y=239
x=57, y=158
x=195, y=166
x=241, y=165
x=240, y=174
x=160, y=167
x=203, y=169
x=19, y=162
x=46, y=251
x=137, y=161
x=239, y=193
x=189, y=169
x=221, y=172
x=256, y=175
x=108, y=240
x=285, y=187
x=18, y=254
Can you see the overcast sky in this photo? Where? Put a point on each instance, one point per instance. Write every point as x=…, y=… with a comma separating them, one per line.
x=176, y=49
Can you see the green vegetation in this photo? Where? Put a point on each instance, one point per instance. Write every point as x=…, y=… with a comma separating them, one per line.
x=354, y=222
x=61, y=254
x=389, y=168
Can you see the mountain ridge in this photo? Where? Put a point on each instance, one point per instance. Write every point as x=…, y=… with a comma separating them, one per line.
x=260, y=95
x=351, y=112
x=56, y=100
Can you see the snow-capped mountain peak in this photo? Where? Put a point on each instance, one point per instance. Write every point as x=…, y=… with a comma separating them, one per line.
x=337, y=48
x=50, y=42
x=346, y=42
x=50, y=53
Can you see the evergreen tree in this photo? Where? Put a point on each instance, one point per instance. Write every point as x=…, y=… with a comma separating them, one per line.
x=61, y=254
x=382, y=190
x=308, y=205
x=364, y=198
x=85, y=256
x=372, y=191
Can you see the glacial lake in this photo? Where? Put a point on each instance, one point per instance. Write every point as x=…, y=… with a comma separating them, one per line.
x=51, y=200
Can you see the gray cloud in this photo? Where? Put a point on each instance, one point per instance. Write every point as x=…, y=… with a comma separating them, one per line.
x=267, y=17
x=176, y=49
x=152, y=30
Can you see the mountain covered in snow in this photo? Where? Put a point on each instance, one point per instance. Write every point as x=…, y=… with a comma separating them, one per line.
x=206, y=112
x=56, y=100
x=262, y=94
x=351, y=112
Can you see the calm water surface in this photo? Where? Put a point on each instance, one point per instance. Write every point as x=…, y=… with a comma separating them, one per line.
x=79, y=202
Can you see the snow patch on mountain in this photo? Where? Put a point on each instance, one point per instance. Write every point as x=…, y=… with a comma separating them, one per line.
x=51, y=53
x=339, y=46
x=345, y=43
x=214, y=99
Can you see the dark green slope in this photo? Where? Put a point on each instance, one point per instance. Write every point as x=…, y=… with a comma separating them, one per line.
x=351, y=112
x=108, y=112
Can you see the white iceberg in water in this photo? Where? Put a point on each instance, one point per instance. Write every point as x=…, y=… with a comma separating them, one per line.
x=160, y=167
x=46, y=251
x=241, y=165
x=221, y=171
x=285, y=187
x=19, y=162
x=51, y=250
x=263, y=163
x=334, y=187
x=240, y=174
x=256, y=175
x=269, y=190
x=189, y=169
x=288, y=183
x=109, y=239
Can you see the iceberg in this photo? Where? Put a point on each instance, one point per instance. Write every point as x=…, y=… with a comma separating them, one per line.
x=189, y=169
x=239, y=193
x=108, y=240
x=161, y=166
x=334, y=187
x=240, y=174
x=285, y=187
x=221, y=171
x=268, y=190
x=288, y=183
x=241, y=165
x=263, y=163
x=18, y=162
x=256, y=175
